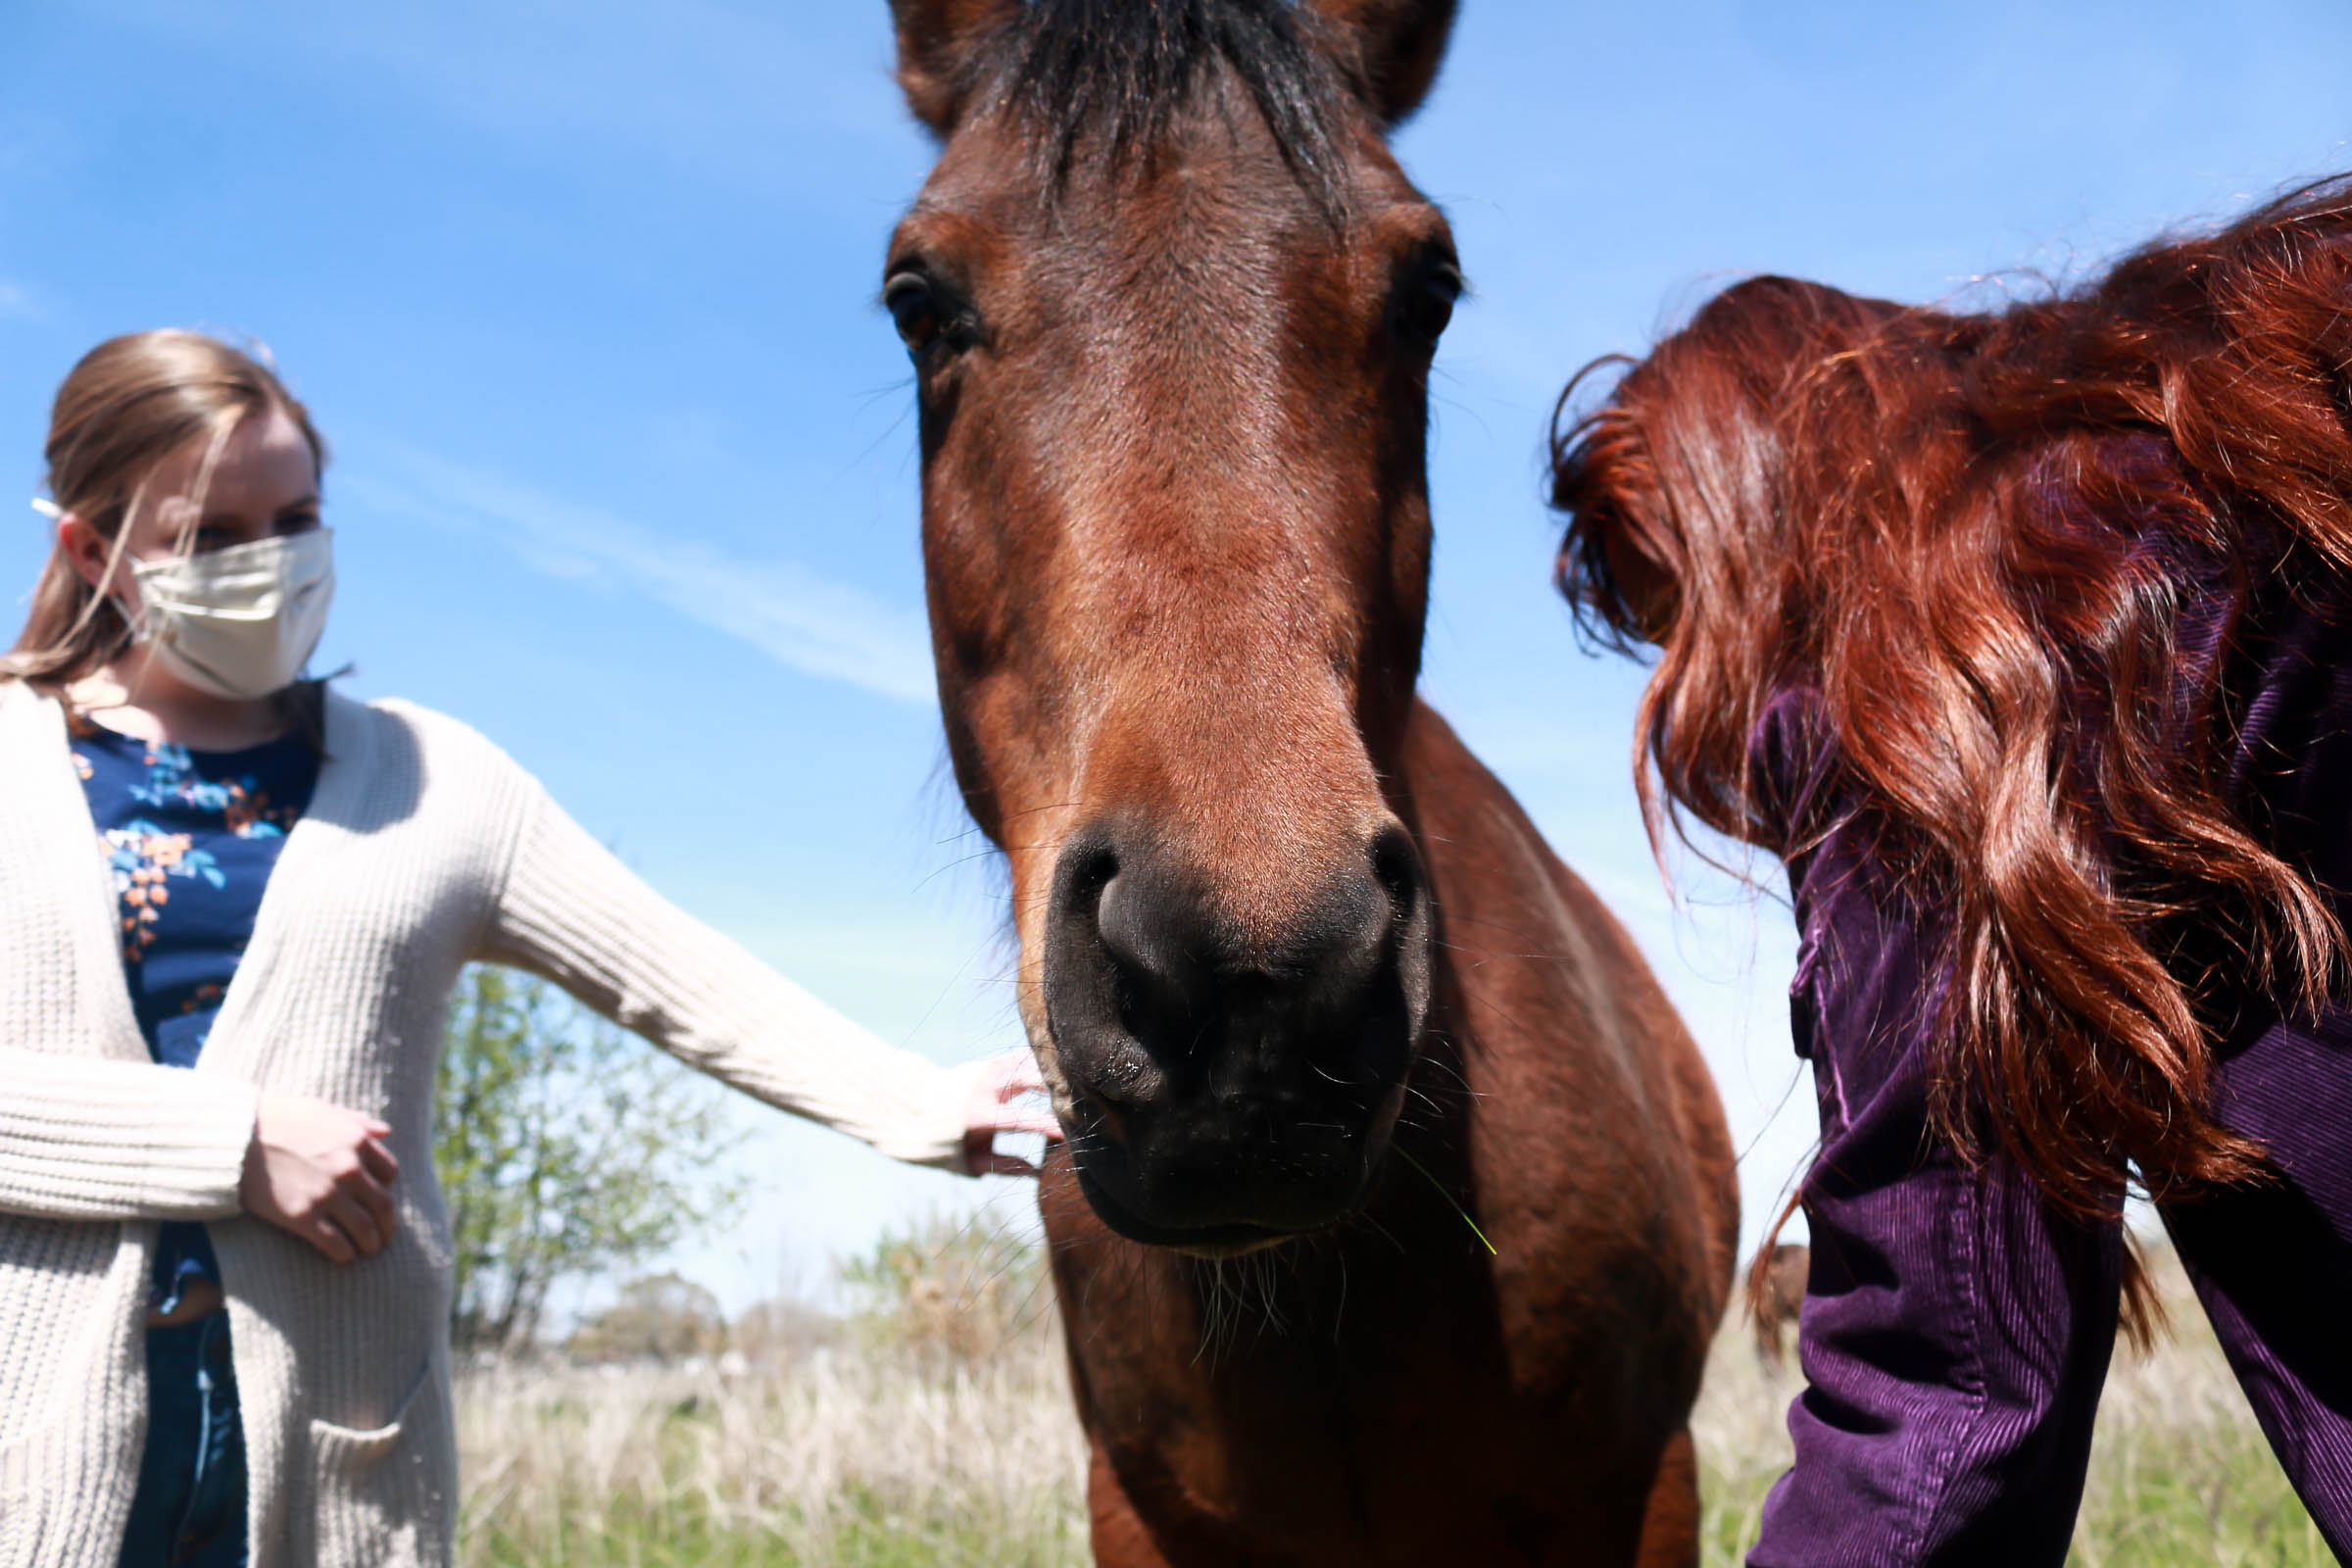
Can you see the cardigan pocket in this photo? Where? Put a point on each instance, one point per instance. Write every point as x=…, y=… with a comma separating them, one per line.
x=379, y=1491
x=346, y=1448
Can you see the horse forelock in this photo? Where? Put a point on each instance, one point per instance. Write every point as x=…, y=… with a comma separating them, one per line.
x=1116, y=75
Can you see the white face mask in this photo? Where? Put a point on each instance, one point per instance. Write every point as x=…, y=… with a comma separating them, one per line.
x=238, y=622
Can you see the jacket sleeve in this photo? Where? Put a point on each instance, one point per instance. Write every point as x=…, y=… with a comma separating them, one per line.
x=570, y=911
x=97, y=1140
x=1955, y=1330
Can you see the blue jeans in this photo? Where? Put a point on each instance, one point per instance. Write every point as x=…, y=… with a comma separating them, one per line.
x=189, y=1511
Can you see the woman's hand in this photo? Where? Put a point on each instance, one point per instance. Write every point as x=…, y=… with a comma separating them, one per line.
x=322, y=1173
x=992, y=1111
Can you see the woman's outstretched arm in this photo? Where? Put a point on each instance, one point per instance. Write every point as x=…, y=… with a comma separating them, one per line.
x=1955, y=1332
x=569, y=910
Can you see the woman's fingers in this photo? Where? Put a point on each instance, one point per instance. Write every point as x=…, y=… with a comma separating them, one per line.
x=353, y=1220
x=326, y=1236
x=1013, y=1075
x=379, y=1161
x=982, y=1157
x=377, y=1200
x=1024, y=1119
x=1017, y=1074
x=1009, y=1076
x=356, y=1222
x=322, y=1173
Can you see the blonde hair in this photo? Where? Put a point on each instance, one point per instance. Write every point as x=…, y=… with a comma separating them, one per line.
x=132, y=402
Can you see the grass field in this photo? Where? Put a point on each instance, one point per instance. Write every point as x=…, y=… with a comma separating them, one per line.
x=883, y=1458
x=859, y=1459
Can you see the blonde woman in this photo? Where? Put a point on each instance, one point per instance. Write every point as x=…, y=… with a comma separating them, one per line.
x=233, y=905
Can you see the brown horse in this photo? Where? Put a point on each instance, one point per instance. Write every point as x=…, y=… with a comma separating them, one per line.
x=1778, y=1298
x=1396, y=1209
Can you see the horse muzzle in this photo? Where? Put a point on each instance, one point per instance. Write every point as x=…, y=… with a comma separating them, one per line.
x=1223, y=1092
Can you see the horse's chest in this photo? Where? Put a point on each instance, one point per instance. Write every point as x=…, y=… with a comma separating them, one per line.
x=1365, y=1409
x=1303, y=1452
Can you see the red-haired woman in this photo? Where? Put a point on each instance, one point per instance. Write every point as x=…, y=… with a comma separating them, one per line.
x=232, y=908
x=2026, y=639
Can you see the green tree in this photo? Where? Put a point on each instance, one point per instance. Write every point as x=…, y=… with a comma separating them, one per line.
x=565, y=1149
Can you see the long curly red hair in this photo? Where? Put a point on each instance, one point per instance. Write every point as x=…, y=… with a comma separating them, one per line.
x=1974, y=537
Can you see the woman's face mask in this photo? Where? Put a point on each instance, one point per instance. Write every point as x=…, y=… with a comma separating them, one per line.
x=238, y=622
x=223, y=574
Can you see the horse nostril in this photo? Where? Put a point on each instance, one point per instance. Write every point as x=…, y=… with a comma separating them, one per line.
x=1144, y=930
x=1396, y=866
x=1089, y=870
x=1085, y=906
x=1104, y=976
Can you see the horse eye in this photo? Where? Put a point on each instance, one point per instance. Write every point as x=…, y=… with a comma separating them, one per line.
x=914, y=309
x=1428, y=304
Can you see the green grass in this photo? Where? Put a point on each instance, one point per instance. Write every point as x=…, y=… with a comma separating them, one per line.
x=858, y=1531
x=869, y=1459
x=849, y=1460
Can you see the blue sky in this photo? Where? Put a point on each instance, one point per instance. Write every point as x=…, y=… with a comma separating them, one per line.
x=624, y=474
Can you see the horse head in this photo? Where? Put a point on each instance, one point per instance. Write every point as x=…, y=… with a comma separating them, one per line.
x=1171, y=305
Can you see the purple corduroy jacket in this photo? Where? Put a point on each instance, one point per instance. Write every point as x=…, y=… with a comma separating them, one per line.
x=1956, y=1330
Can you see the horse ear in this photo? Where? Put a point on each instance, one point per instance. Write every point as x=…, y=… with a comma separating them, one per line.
x=1397, y=45
x=936, y=39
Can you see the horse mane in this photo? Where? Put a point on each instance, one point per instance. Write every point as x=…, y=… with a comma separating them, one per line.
x=1120, y=71
x=2006, y=557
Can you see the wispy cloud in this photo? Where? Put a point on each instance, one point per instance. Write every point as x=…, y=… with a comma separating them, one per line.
x=16, y=303
x=797, y=617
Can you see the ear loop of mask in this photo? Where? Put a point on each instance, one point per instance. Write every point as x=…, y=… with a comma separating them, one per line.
x=115, y=548
x=134, y=627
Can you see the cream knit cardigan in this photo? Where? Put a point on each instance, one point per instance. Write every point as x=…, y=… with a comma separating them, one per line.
x=424, y=846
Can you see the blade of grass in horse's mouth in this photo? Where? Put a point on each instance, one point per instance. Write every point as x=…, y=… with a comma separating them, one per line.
x=1453, y=1202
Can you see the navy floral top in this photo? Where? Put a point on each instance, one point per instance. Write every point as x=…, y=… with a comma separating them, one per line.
x=191, y=838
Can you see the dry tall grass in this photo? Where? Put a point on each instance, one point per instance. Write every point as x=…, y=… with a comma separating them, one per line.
x=879, y=1459
x=865, y=1458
